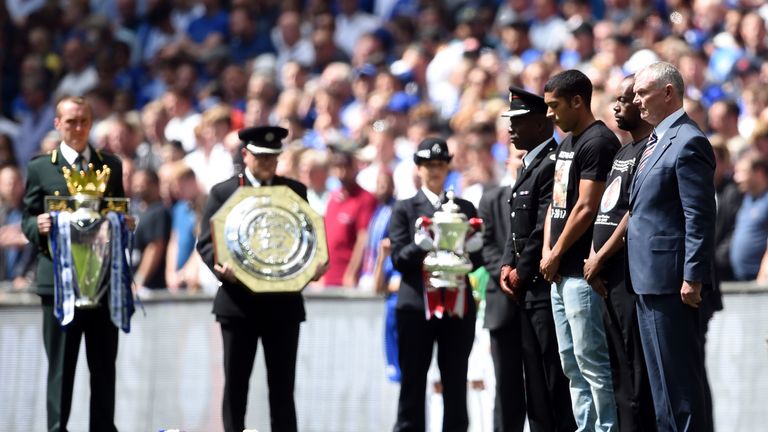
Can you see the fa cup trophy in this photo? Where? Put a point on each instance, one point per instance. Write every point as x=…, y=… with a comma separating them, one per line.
x=447, y=263
x=88, y=242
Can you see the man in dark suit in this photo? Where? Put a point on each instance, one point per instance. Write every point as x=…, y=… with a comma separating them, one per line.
x=453, y=333
x=605, y=271
x=670, y=243
x=518, y=310
x=45, y=177
x=246, y=317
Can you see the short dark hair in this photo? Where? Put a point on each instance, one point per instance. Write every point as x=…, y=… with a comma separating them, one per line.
x=152, y=177
x=759, y=163
x=731, y=107
x=570, y=83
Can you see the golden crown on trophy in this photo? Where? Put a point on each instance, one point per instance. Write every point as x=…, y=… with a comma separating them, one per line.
x=92, y=182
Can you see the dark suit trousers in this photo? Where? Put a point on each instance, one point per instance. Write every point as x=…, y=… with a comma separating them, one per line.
x=62, y=345
x=507, y=354
x=417, y=337
x=280, y=342
x=630, y=377
x=670, y=333
x=547, y=390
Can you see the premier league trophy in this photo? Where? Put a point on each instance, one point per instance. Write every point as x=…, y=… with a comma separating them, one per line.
x=446, y=266
x=88, y=241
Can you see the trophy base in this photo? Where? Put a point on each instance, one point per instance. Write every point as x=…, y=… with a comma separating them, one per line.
x=86, y=303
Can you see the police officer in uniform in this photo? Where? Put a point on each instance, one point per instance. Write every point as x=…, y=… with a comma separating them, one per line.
x=244, y=316
x=519, y=314
x=418, y=335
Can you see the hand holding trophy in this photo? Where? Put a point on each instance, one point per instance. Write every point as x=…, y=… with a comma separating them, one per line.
x=449, y=238
x=87, y=238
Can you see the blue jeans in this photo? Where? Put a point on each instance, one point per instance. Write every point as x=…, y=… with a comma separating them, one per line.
x=577, y=310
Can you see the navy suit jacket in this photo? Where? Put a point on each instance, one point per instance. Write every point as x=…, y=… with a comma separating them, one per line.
x=672, y=213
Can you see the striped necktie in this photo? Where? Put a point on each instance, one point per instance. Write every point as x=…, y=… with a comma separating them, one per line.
x=649, y=146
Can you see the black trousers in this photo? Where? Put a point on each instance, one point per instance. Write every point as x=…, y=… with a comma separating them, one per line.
x=529, y=377
x=549, y=407
x=507, y=354
x=417, y=338
x=631, y=388
x=280, y=342
x=62, y=345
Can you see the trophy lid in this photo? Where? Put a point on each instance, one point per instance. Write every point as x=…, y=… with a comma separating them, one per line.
x=92, y=182
x=449, y=211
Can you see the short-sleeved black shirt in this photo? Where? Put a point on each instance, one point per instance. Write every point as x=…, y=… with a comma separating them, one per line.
x=615, y=201
x=153, y=224
x=589, y=157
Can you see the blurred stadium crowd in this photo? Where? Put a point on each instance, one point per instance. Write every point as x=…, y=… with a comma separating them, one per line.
x=171, y=81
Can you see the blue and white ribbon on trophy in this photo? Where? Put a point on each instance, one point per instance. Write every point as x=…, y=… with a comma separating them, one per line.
x=65, y=290
x=120, y=296
x=64, y=294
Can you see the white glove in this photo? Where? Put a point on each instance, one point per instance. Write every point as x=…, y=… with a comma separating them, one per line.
x=423, y=241
x=475, y=243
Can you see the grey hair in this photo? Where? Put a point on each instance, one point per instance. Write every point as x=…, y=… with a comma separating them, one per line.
x=663, y=73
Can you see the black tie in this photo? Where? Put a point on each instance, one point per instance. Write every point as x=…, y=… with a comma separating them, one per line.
x=80, y=163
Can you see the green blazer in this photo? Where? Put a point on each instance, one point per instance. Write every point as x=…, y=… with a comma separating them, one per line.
x=45, y=177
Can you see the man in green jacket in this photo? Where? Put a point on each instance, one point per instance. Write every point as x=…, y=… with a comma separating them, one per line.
x=45, y=177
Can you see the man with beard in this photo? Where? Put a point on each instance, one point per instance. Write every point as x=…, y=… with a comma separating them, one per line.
x=605, y=271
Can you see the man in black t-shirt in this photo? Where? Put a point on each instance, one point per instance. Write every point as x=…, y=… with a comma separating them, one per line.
x=152, y=231
x=605, y=271
x=583, y=161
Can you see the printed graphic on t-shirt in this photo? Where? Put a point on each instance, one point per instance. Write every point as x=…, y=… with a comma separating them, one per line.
x=616, y=196
x=560, y=188
x=611, y=196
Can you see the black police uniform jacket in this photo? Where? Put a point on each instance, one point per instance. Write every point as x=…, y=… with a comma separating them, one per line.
x=235, y=300
x=500, y=309
x=408, y=258
x=530, y=198
x=45, y=177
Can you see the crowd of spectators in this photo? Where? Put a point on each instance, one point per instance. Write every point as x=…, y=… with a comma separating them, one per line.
x=171, y=81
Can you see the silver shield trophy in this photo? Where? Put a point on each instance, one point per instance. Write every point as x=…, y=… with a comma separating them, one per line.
x=271, y=237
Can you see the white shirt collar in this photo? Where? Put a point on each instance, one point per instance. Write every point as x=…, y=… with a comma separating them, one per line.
x=434, y=199
x=535, y=152
x=69, y=154
x=665, y=124
x=252, y=179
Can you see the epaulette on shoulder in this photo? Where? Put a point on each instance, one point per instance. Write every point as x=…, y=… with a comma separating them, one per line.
x=53, y=155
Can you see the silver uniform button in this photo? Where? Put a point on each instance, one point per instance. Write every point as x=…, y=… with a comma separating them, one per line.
x=513, y=214
x=514, y=194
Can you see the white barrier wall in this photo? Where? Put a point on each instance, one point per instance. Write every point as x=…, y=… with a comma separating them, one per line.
x=170, y=373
